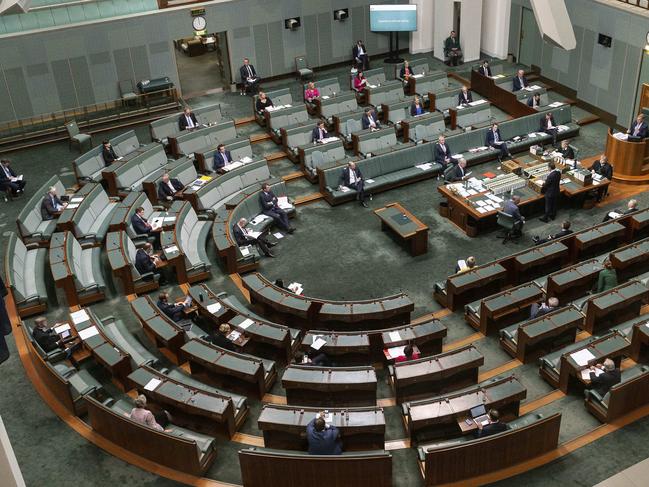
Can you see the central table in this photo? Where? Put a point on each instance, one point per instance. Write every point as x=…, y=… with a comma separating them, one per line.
x=406, y=226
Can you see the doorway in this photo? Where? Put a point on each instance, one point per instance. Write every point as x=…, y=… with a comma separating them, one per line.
x=202, y=62
x=457, y=15
x=530, y=38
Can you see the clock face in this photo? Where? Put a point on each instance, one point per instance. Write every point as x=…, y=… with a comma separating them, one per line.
x=199, y=23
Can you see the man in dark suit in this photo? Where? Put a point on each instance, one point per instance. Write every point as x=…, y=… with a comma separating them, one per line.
x=551, y=189
x=222, y=157
x=319, y=132
x=9, y=179
x=565, y=230
x=603, y=382
x=369, y=120
x=220, y=338
x=51, y=205
x=639, y=128
x=511, y=208
x=495, y=140
x=548, y=126
x=323, y=439
x=352, y=177
x=604, y=169
x=174, y=311
x=187, y=121
x=452, y=50
x=495, y=425
x=442, y=152
x=360, y=56
x=534, y=101
x=249, y=77
x=631, y=207
x=168, y=188
x=140, y=224
x=537, y=309
x=146, y=261
x=108, y=153
x=457, y=172
x=485, y=70
x=49, y=340
x=270, y=208
x=464, y=97
x=566, y=151
x=520, y=81
x=243, y=238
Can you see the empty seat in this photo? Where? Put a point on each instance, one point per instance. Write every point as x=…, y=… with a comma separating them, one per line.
x=25, y=275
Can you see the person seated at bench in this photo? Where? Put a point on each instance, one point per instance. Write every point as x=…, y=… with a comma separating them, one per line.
x=520, y=81
x=408, y=354
x=495, y=425
x=534, y=101
x=360, y=56
x=442, y=152
x=457, y=172
x=631, y=207
x=175, y=311
x=548, y=126
x=108, y=153
x=222, y=158
x=604, y=376
x=263, y=102
x=360, y=82
x=317, y=358
x=464, y=97
x=369, y=120
x=187, y=121
x=249, y=77
x=9, y=180
x=511, y=208
x=323, y=439
x=49, y=340
x=319, y=133
x=544, y=308
x=220, y=338
x=607, y=277
x=141, y=226
x=168, y=188
x=405, y=72
x=243, y=238
x=415, y=107
x=146, y=261
x=565, y=230
x=311, y=92
x=639, y=128
x=52, y=205
x=604, y=169
x=452, y=50
x=465, y=265
x=484, y=69
x=566, y=151
x=271, y=208
x=143, y=416
x=351, y=177
x=495, y=140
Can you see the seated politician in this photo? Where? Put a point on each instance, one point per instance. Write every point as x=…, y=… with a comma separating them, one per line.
x=639, y=128
x=464, y=97
x=220, y=338
x=174, y=311
x=452, y=50
x=603, y=376
x=311, y=92
x=511, y=208
x=52, y=206
x=442, y=152
x=607, y=278
x=540, y=309
x=566, y=151
x=370, y=120
x=222, y=158
x=495, y=140
x=360, y=56
x=319, y=133
x=360, y=81
x=495, y=426
x=484, y=68
x=108, y=153
x=263, y=102
x=406, y=72
x=351, y=177
x=548, y=125
x=457, y=172
x=534, y=101
x=140, y=224
x=520, y=81
x=565, y=230
x=49, y=340
x=249, y=77
x=409, y=353
x=168, y=188
x=465, y=265
x=631, y=207
x=243, y=237
x=9, y=180
x=147, y=262
x=270, y=207
x=187, y=121
x=416, y=108
x=323, y=439
x=604, y=169
x=140, y=414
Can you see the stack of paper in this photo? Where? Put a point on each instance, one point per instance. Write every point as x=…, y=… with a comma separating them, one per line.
x=76, y=199
x=556, y=104
x=245, y=251
x=214, y=308
x=325, y=97
x=88, y=332
x=582, y=357
x=296, y=288
x=394, y=336
x=234, y=335
x=172, y=249
x=61, y=328
x=369, y=181
x=585, y=374
x=477, y=102
x=246, y=159
x=258, y=219
x=395, y=352
x=425, y=166
x=80, y=316
x=344, y=189
x=246, y=323
x=457, y=156
x=283, y=203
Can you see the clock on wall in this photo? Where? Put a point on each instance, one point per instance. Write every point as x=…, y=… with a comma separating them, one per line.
x=199, y=23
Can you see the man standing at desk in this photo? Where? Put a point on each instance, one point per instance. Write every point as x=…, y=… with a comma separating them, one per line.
x=248, y=77
x=551, y=189
x=511, y=208
x=495, y=140
x=520, y=81
x=187, y=121
x=442, y=152
x=323, y=439
x=351, y=177
x=271, y=208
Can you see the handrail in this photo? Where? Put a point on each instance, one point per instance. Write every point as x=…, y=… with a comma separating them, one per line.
x=635, y=3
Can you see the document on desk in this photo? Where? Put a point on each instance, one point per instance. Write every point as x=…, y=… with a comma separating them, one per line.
x=214, y=308
x=457, y=156
x=481, y=209
x=417, y=75
x=477, y=102
x=246, y=323
x=172, y=249
x=369, y=181
x=283, y=203
x=278, y=235
x=556, y=104
x=585, y=374
x=582, y=357
x=253, y=234
x=245, y=251
x=325, y=97
x=169, y=219
x=258, y=219
x=152, y=384
x=76, y=199
x=318, y=343
x=80, y=316
x=495, y=198
x=73, y=206
x=394, y=336
x=61, y=328
x=395, y=352
x=234, y=335
x=88, y=332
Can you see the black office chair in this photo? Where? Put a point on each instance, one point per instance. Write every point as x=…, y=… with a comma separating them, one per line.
x=506, y=221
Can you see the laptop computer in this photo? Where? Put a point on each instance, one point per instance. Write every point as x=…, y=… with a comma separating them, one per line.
x=479, y=414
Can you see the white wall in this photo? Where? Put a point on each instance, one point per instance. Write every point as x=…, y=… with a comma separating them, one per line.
x=470, y=29
x=422, y=39
x=495, y=27
x=9, y=469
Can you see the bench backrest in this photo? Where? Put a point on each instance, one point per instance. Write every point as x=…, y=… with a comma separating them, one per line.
x=30, y=217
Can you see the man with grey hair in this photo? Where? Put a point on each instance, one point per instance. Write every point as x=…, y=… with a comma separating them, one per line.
x=244, y=237
x=457, y=172
x=541, y=309
x=52, y=205
x=631, y=207
x=604, y=376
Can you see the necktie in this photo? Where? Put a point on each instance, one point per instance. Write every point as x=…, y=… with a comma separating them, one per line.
x=495, y=136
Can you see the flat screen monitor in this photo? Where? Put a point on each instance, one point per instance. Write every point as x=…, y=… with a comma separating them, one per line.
x=393, y=18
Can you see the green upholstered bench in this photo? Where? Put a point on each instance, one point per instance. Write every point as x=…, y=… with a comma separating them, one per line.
x=205, y=138
x=239, y=149
x=25, y=275
x=31, y=225
x=122, y=263
x=91, y=219
x=278, y=97
x=630, y=393
x=314, y=156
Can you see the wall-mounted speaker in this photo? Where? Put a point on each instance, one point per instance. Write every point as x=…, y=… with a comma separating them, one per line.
x=604, y=40
x=341, y=14
x=293, y=23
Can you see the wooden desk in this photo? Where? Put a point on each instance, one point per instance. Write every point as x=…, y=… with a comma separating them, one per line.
x=614, y=306
x=321, y=386
x=598, y=239
x=640, y=340
x=630, y=159
x=404, y=225
x=351, y=348
x=539, y=261
x=427, y=336
x=284, y=427
x=468, y=286
x=631, y=260
x=573, y=282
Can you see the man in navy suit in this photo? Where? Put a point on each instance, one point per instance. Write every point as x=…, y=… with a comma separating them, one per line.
x=442, y=152
x=369, y=120
x=604, y=169
x=222, y=157
x=187, y=120
x=243, y=238
x=146, y=261
x=108, y=153
x=322, y=439
x=511, y=208
x=548, y=126
x=360, y=56
x=534, y=101
x=464, y=97
x=319, y=132
x=494, y=426
x=639, y=128
x=495, y=140
x=520, y=81
x=248, y=76
x=51, y=205
x=9, y=179
x=168, y=188
x=270, y=208
x=175, y=312
x=457, y=172
x=485, y=70
x=551, y=189
x=352, y=177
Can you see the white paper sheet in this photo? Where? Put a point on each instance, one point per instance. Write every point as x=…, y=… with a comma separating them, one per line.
x=394, y=336
x=88, y=332
x=152, y=384
x=278, y=235
x=318, y=343
x=79, y=316
x=369, y=181
x=245, y=251
x=582, y=357
x=61, y=328
x=395, y=352
x=246, y=323
x=214, y=308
